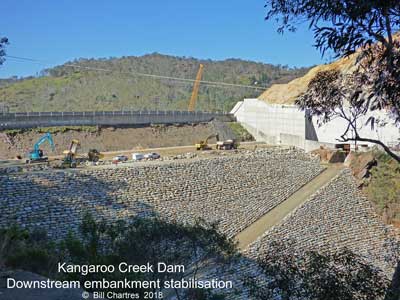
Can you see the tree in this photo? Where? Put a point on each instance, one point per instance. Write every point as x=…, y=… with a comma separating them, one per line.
x=345, y=27
x=137, y=241
x=3, y=43
x=331, y=95
x=151, y=240
x=318, y=276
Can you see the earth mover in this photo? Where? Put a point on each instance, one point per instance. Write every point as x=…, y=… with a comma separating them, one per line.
x=69, y=160
x=227, y=145
x=203, y=145
x=94, y=155
x=36, y=155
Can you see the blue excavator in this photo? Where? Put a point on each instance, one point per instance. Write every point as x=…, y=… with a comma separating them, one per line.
x=36, y=155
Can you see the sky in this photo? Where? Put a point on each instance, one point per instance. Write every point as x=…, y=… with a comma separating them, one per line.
x=55, y=32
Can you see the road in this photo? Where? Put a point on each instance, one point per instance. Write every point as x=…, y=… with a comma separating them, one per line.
x=164, y=151
x=276, y=215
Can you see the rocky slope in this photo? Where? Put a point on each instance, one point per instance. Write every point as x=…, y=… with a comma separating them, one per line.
x=336, y=217
x=233, y=191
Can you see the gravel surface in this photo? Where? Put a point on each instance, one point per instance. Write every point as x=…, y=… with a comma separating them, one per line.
x=337, y=216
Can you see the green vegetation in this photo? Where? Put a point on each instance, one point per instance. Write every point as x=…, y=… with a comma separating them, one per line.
x=65, y=88
x=383, y=187
x=62, y=129
x=368, y=30
x=310, y=275
x=140, y=242
x=318, y=276
x=12, y=132
x=59, y=129
x=379, y=178
x=240, y=133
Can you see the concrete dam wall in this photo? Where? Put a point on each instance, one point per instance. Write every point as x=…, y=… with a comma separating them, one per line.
x=287, y=125
x=106, y=118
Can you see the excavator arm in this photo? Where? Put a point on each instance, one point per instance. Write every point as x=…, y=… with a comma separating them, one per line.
x=203, y=145
x=212, y=136
x=46, y=137
x=36, y=155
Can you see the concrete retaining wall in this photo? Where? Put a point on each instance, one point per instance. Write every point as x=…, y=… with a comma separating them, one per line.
x=287, y=125
x=271, y=120
x=107, y=118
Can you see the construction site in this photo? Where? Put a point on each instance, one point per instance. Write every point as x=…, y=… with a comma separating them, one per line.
x=260, y=183
x=249, y=180
x=115, y=137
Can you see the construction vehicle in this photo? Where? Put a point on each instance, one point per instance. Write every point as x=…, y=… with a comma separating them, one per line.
x=195, y=92
x=36, y=155
x=227, y=145
x=203, y=145
x=94, y=155
x=69, y=160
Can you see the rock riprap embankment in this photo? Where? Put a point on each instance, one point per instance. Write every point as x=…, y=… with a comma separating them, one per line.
x=234, y=190
x=337, y=216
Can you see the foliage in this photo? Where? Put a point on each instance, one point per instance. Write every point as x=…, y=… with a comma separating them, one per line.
x=383, y=188
x=332, y=95
x=12, y=132
x=32, y=251
x=342, y=26
x=345, y=27
x=313, y=275
x=140, y=242
x=62, y=129
x=3, y=43
x=310, y=275
x=66, y=88
x=202, y=294
x=378, y=77
x=58, y=129
x=240, y=133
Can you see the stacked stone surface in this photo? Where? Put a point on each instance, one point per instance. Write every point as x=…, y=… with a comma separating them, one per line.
x=232, y=190
x=336, y=217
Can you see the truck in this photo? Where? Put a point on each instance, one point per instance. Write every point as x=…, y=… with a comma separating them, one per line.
x=227, y=145
x=69, y=160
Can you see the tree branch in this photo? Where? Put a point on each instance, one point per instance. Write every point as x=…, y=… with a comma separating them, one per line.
x=386, y=148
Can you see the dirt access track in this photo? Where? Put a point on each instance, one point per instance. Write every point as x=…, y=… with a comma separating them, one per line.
x=278, y=213
x=107, y=139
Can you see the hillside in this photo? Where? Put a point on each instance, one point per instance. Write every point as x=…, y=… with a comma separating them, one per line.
x=66, y=88
x=287, y=93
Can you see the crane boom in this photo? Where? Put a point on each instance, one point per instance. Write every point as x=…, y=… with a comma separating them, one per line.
x=193, y=99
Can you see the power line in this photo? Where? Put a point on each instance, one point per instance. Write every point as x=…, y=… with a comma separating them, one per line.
x=204, y=82
x=22, y=58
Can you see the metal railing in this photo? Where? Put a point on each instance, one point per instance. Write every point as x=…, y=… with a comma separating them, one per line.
x=108, y=113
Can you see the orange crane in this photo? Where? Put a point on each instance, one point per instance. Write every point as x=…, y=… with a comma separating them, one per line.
x=193, y=99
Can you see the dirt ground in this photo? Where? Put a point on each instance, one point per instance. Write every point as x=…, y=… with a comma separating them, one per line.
x=108, y=139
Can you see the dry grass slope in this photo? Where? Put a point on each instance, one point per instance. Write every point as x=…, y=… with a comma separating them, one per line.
x=287, y=93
